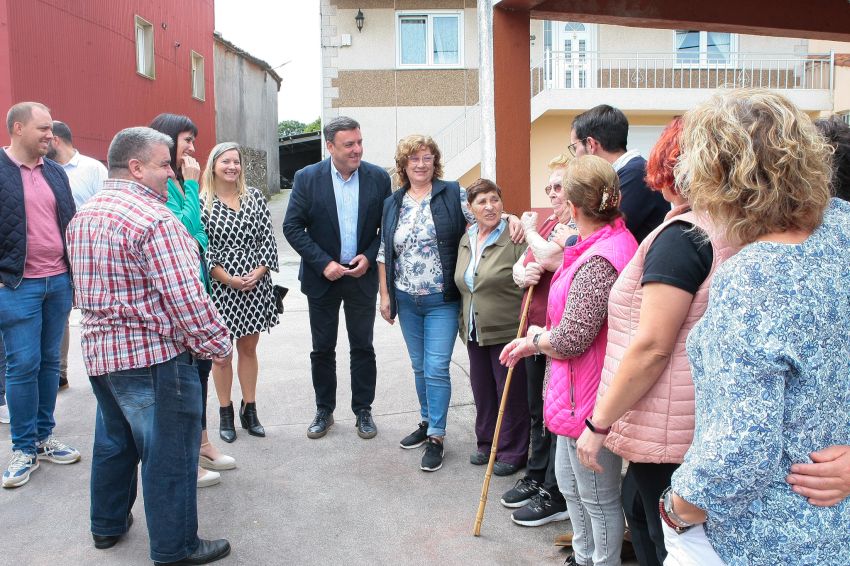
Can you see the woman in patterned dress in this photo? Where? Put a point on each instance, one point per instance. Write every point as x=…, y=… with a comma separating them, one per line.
x=184, y=203
x=771, y=356
x=241, y=251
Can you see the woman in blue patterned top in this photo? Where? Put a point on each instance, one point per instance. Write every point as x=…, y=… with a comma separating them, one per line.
x=771, y=356
x=422, y=224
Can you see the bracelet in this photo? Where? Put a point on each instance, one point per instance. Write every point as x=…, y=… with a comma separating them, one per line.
x=595, y=429
x=230, y=282
x=665, y=508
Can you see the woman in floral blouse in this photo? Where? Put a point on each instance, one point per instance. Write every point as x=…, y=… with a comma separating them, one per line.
x=771, y=355
x=422, y=225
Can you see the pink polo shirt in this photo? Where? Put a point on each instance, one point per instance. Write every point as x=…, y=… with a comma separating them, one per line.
x=45, y=249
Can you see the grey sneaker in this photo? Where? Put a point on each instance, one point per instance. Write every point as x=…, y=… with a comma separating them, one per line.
x=57, y=452
x=19, y=469
x=416, y=438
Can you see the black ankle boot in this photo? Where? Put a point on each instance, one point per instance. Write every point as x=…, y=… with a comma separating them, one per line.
x=226, y=428
x=248, y=416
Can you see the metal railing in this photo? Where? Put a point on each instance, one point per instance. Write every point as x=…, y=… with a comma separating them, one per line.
x=563, y=70
x=460, y=133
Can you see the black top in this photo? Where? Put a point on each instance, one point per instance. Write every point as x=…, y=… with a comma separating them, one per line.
x=681, y=256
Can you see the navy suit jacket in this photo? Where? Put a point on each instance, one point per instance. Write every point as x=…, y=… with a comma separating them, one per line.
x=311, y=225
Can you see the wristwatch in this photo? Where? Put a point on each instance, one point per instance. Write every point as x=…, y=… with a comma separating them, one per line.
x=595, y=429
x=665, y=508
x=536, y=342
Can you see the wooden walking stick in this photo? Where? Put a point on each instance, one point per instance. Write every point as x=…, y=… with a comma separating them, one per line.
x=486, y=487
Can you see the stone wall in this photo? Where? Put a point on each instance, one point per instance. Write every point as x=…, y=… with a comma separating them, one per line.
x=255, y=169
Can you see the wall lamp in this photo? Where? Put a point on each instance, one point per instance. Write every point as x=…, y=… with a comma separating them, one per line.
x=358, y=19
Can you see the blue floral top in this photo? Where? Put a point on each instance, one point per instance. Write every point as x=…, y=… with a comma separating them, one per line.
x=771, y=370
x=417, y=266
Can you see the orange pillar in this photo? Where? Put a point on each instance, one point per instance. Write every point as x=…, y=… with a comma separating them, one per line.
x=512, y=104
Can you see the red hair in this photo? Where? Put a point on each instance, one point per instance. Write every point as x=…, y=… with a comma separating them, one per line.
x=663, y=157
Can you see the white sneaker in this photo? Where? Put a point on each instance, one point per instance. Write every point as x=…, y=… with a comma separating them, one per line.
x=19, y=469
x=4, y=414
x=57, y=452
x=209, y=478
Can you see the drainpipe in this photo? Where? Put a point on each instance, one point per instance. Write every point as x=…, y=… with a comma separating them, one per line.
x=485, y=89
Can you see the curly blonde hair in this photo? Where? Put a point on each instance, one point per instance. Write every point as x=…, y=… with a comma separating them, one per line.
x=755, y=163
x=409, y=145
x=560, y=161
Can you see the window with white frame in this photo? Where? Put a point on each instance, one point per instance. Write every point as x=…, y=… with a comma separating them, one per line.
x=144, y=48
x=433, y=39
x=198, y=76
x=704, y=47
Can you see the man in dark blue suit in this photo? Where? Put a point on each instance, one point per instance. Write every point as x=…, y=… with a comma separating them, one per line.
x=333, y=222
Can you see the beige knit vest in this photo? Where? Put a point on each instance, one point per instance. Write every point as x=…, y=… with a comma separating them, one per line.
x=660, y=426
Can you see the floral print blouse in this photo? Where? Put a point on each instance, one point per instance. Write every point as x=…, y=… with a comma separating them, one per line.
x=771, y=369
x=418, y=270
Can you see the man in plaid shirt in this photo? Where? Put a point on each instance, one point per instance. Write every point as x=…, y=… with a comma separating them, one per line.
x=146, y=318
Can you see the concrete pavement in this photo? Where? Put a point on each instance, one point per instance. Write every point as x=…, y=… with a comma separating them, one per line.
x=291, y=500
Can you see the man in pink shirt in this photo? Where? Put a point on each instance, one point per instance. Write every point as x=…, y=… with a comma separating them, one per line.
x=35, y=287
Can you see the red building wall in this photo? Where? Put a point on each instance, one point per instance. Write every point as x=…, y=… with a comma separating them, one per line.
x=79, y=58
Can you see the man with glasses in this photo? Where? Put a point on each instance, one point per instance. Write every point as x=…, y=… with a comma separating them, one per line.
x=603, y=131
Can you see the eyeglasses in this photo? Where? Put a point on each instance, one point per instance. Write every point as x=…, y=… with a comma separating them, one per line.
x=572, y=146
x=554, y=187
x=426, y=159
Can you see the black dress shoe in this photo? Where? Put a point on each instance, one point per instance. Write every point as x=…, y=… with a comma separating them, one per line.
x=479, y=458
x=365, y=424
x=226, y=428
x=103, y=542
x=249, y=419
x=322, y=422
x=208, y=551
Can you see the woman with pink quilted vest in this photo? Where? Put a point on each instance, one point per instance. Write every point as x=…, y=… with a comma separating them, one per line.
x=574, y=340
x=645, y=408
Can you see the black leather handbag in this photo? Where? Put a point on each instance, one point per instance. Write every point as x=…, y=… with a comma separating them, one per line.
x=279, y=293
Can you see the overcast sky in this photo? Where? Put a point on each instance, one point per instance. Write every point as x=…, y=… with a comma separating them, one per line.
x=278, y=31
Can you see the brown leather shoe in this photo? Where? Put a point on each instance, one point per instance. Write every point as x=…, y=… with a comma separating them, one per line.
x=565, y=540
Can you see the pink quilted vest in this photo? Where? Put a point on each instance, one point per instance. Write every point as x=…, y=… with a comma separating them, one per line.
x=660, y=427
x=571, y=393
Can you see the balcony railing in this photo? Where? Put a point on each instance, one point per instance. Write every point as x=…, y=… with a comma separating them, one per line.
x=562, y=70
x=460, y=133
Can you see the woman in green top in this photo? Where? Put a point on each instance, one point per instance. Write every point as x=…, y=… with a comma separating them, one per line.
x=183, y=202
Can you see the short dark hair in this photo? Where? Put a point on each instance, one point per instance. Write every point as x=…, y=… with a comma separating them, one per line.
x=481, y=186
x=133, y=143
x=172, y=125
x=837, y=134
x=604, y=123
x=61, y=130
x=22, y=112
x=339, y=124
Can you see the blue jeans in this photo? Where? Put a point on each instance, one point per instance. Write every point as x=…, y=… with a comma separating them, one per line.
x=2, y=372
x=429, y=326
x=152, y=415
x=593, y=502
x=32, y=321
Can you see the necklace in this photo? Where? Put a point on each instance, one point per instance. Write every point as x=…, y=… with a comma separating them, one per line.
x=420, y=196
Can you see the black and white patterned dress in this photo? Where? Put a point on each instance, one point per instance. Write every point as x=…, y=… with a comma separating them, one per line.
x=239, y=242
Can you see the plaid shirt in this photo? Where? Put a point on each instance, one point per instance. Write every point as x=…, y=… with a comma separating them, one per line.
x=136, y=280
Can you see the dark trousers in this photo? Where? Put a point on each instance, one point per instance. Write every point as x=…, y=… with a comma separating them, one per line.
x=204, y=369
x=359, y=310
x=642, y=488
x=541, y=459
x=487, y=377
x=153, y=416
